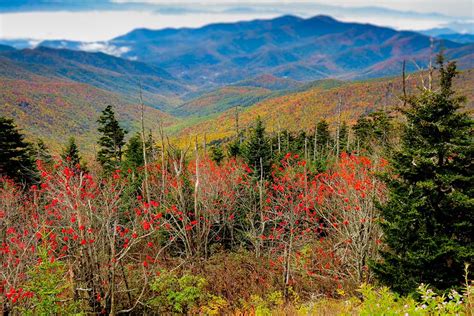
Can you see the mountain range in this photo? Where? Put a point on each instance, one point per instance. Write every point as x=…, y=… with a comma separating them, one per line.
x=189, y=75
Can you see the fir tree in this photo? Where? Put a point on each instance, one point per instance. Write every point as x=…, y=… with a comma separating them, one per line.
x=217, y=154
x=343, y=137
x=429, y=219
x=234, y=149
x=15, y=161
x=324, y=136
x=71, y=155
x=111, y=141
x=374, y=131
x=41, y=152
x=134, y=152
x=257, y=151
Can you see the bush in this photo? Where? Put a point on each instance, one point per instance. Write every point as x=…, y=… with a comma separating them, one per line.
x=185, y=294
x=49, y=288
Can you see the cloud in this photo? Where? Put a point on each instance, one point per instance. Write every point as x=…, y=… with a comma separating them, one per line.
x=104, y=48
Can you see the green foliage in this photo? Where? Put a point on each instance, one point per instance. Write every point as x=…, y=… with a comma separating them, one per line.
x=134, y=152
x=428, y=220
x=71, y=153
x=41, y=152
x=234, y=149
x=182, y=294
x=111, y=141
x=323, y=138
x=373, y=130
x=257, y=150
x=385, y=302
x=264, y=305
x=46, y=281
x=15, y=161
x=343, y=137
x=217, y=154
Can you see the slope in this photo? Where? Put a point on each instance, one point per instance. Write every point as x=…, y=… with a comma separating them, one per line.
x=303, y=109
x=100, y=70
x=55, y=110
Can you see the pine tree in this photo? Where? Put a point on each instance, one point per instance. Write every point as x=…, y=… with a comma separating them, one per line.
x=343, y=137
x=15, y=161
x=234, y=149
x=429, y=219
x=134, y=152
x=217, y=154
x=324, y=136
x=71, y=155
x=374, y=131
x=41, y=152
x=111, y=141
x=257, y=151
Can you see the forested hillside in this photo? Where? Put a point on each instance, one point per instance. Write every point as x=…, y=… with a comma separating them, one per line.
x=49, y=109
x=320, y=100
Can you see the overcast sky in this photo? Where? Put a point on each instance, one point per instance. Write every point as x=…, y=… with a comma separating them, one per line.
x=96, y=20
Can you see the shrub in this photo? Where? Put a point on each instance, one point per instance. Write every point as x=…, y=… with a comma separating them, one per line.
x=184, y=294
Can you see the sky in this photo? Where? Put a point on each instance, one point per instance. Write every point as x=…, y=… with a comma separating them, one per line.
x=100, y=20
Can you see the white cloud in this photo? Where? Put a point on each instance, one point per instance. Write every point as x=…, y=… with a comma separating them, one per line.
x=94, y=26
x=104, y=48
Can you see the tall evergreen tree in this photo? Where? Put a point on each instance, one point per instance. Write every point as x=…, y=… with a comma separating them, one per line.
x=134, y=152
x=428, y=220
x=257, y=151
x=343, y=137
x=234, y=149
x=324, y=136
x=111, y=142
x=15, y=161
x=374, y=131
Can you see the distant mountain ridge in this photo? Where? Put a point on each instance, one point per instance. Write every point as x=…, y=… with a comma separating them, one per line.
x=97, y=69
x=288, y=46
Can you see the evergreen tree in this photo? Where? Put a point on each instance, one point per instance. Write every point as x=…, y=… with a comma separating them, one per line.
x=374, y=131
x=257, y=151
x=233, y=149
x=111, y=141
x=15, y=161
x=343, y=137
x=134, y=152
x=363, y=132
x=324, y=136
x=41, y=152
x=217, y=154
x=429, y=219
x=71, y=155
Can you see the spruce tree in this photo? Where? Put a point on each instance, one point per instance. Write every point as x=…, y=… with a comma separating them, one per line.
x=71, y=155
x=324, y=136
x=374, y=131
x=134, y=152
x=343, y=137
x=428, y=221
x=257, y=151
x=217, y=155
x=15, y=160
x=41, y=152
x=111, y=142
